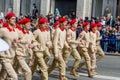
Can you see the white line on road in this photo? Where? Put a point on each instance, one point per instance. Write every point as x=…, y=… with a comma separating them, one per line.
x=96, y=76
x=102, y=76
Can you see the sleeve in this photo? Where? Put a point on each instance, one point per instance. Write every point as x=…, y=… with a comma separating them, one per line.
x=48, y=39
x=35, y=33
x=55, y=41
x=34, y=42
x=69, y=38
x=91, y=38
x=66, y=44
x=98, y=36
x=22, y=39
x=80, y=37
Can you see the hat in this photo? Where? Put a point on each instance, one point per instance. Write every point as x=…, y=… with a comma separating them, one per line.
x=85, y=24
x=20, y=21
x=1, y=21
x=73, y=21
x=99, y=25
x=93, y=25
x=25, y=20
x=56, y=23
x=61, y=20
x=9, y=15
x=42, y=20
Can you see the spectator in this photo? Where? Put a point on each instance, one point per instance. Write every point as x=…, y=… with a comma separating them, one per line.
x=57, y=12
x=111, y=22
x=79, y=29
x=34, y=12
x=49, y=16
x=1, y=15
x=73, y=16
x=105, y=42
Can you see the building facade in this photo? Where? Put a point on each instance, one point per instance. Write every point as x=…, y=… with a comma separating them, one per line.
x=95, y=8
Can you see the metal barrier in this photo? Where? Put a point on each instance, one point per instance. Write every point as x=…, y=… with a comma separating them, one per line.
x=110, y=45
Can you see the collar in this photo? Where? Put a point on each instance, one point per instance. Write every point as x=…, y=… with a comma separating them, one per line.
x=18, y=27
x=42, y=29
x=93, y=31
x=72, y=29
x=86, y=31
x=62, y=29
x=46, y=29
x=10, y=29
x=24, y=32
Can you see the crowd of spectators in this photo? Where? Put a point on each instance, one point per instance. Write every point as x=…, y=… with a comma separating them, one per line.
x=110, y=26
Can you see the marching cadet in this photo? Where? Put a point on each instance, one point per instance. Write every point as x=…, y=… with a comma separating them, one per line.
x=7, y=56
x=71, y=39
x=1, y=25
x=58, y=44
x=92, y=47
x=22, y=47
x=83, y=48
x=40, y=36
x=48, y=43
x=99, y=50
x=55, y=26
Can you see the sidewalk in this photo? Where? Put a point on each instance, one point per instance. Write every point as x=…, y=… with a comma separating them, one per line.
x=112, y=54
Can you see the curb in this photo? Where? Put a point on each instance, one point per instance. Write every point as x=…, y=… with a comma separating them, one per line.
x=113, y=54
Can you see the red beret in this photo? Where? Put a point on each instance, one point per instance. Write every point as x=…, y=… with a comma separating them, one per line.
x=20, y=21
x=61, y=20
x=42, y=20
x=56, y=23
x=99, y=25
x=93, y=25
x=85, y=24
x=73, y=21
x=1, y=21
x=9, y=15
x=25, y=20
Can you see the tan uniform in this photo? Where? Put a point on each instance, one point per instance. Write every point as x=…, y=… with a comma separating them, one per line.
x=99, y=50
x=39, y=54
x=58, y=44
x=66, y=53
x=92, y=49
x=84, y=38
x=47, y=50
x=21, y=55
x=5, y=57
x=71, y=39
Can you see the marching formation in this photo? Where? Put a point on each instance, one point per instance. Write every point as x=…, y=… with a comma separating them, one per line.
x=30, y=51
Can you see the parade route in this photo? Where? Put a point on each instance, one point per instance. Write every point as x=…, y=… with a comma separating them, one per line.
x=108, y=69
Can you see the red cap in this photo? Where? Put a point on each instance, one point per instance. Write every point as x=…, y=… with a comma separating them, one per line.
x=99, y=25
x=20, y=21
x=56, y=23
x=9, y=15
x=42, y=20
x=93, y=25
x=1, y=21
x=85, y=24
x=61, y=20
x=73, y=21
x=25, y=20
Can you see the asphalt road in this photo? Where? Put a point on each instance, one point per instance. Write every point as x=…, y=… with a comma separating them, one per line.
x=108, y=69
